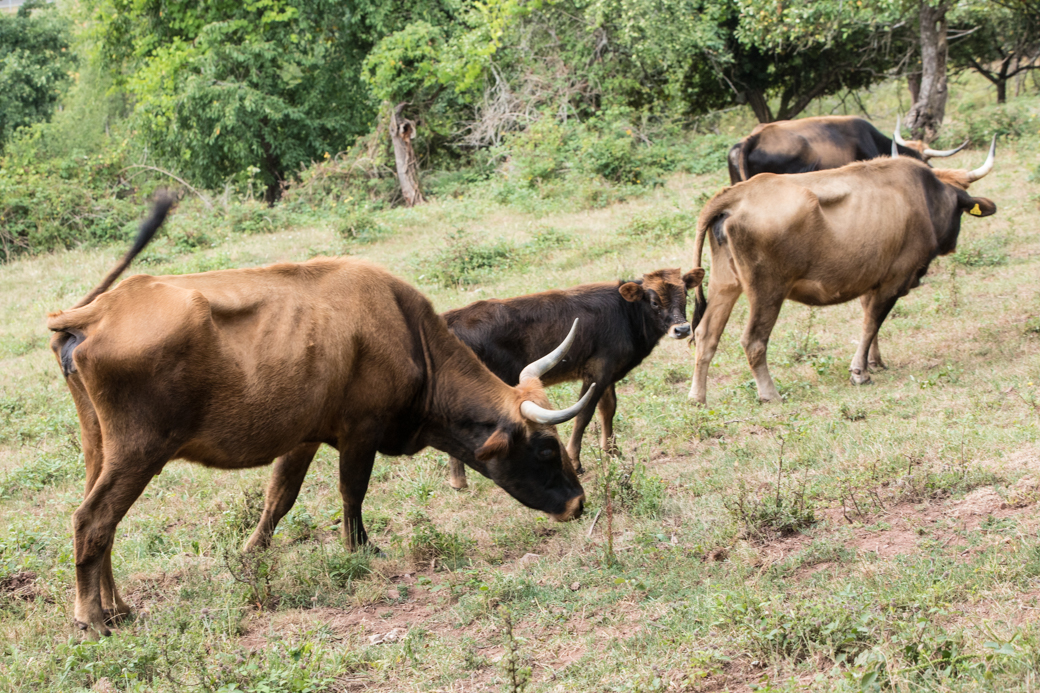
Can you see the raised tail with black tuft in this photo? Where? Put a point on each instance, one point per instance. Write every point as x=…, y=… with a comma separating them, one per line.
x=149, y=227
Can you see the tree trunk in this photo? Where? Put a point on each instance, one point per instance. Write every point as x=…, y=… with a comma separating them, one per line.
x=760, y=105
x=402, y=131
x=926, y=115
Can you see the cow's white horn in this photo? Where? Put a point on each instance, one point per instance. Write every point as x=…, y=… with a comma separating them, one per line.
x=532, y=412
x=897, y=136
x=987, y=166
x=944, y=152
x=545, y=364
x=895, y=150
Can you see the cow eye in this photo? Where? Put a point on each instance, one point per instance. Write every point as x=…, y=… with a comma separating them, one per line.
x=545, y=454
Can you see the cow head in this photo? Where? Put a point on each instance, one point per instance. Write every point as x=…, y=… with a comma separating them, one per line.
x=524, y=454
x=920, y=147
x=663, y=294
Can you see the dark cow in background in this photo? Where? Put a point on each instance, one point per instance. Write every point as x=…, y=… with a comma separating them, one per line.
x=815, y=144
x=234, y=368
x=621, y=323
x=868, y=230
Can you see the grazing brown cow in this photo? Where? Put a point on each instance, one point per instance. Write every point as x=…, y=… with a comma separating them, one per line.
x=234, y=368
x=621, y=324
x=815, y=144
x=868, y=230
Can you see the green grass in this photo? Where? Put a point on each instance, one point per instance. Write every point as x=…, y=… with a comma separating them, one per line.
x=847, y=539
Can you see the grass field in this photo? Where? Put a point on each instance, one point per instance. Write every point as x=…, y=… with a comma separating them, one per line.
x=875, y=538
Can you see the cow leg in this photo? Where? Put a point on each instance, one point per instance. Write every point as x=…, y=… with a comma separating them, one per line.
x=607, y=407
x=764, y=310
x=112, y=604
x=708, y=333
x=457, y=474
x=282, y=491
x=120, y=483
x=875, y=312
x=355, y=469
x=874, y=355
x=581, y=421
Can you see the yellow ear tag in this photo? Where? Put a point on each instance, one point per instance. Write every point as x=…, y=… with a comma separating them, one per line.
x=975, y=211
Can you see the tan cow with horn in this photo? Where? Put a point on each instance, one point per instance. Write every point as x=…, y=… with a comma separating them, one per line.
x=868, y=230
x=234, y=368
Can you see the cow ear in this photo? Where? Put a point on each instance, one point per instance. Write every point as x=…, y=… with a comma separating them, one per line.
x=495, y=447
x=631, y=291
x=693, y=278
x=976, y=206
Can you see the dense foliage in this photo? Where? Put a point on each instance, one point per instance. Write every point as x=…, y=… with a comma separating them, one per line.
x=35, y=61
x=583, y=101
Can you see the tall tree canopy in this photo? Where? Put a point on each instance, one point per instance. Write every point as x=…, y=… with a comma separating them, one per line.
x=35, y=62
x=230, y=88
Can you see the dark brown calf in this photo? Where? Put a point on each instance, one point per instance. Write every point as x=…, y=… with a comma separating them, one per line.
x=620, y=324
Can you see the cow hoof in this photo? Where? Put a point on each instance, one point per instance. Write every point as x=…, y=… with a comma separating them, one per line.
x=92, y=633
x=578, y=469
x=373, y=551
x=115, y=616
x=859, y=378
x=877, y=366
x=458, y=484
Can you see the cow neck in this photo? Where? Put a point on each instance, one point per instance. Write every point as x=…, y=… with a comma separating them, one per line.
x=645, y=333
x=459, y=390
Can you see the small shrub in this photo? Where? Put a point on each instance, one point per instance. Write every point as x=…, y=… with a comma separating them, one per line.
x=252, y=217
x=658, y=229
x=707, y=155
x=464, y=261
x=985, y=252
x=642, y=494
x=242, y=515
x=428, y=543
x=346, y=567
x=360, y=225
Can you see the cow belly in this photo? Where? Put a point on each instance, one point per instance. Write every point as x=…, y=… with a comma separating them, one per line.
x=816, y=293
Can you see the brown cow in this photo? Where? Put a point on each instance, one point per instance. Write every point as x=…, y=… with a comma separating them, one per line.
x=868, y=230
x=815, y=144
x=234, y=368
x=622, y=323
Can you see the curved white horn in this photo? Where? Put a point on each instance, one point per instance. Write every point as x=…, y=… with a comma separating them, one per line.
x=532, y=412
x=895, y=150
x=987, y=166
x=544, y=364
x=944, y=152
x=897, y=136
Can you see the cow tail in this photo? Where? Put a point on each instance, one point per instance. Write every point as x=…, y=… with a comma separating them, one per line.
x=746, y=146
x=711, y=217
x=149, y=226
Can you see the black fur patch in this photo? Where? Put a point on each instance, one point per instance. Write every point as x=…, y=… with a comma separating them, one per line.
x=71, y=341
x=717, y=229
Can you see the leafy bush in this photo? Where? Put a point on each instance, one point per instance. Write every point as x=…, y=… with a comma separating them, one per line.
x=359, y=223
x=657, y=229
x=707, y=155
x=464, y=261
x=984, y=252
x=979, y=125
x=641, y=493
x=62, y=203
x=428, y=543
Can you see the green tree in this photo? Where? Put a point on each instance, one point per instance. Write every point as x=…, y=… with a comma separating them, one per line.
x=35, y=61
x=236, y=89
x=1003, y=40
x=774, y=55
